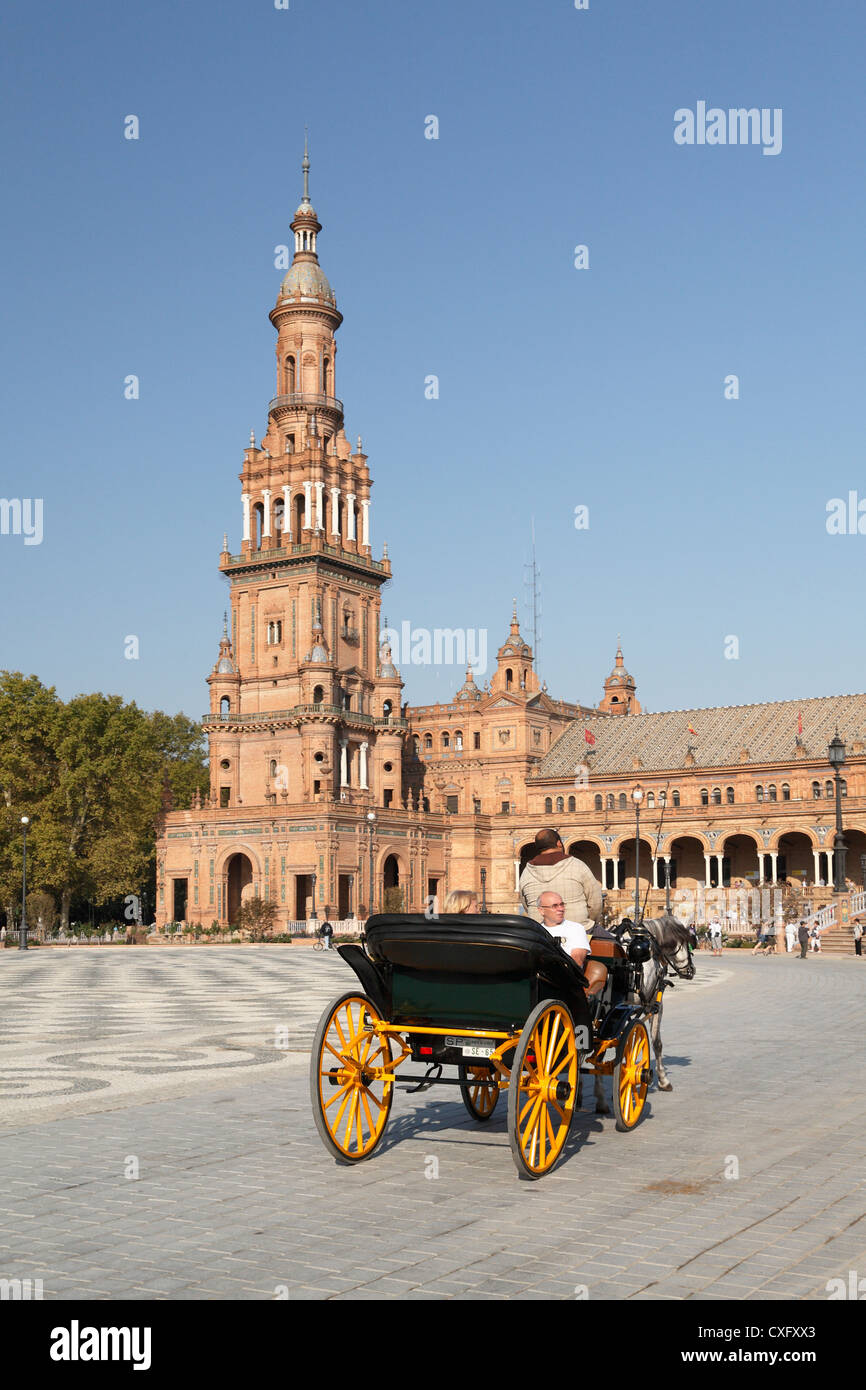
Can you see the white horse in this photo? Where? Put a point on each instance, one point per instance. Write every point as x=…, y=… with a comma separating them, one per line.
x=670, y=945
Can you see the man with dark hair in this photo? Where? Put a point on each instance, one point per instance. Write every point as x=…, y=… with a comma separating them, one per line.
x=551, y=869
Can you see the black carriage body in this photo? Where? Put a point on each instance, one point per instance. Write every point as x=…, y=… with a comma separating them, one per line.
x=464, y=971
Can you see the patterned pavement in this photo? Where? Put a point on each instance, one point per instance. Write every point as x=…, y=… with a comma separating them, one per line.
x=157, y=1142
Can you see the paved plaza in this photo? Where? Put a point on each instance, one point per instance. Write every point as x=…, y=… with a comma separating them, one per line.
x=156, y=1141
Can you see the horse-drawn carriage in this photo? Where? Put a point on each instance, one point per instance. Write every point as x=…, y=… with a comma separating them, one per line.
x=497, y=998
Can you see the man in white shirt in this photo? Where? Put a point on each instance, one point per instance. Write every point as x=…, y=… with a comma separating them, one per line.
x=575, y=941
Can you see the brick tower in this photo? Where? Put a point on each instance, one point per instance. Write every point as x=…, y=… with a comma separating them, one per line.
x=305, y=727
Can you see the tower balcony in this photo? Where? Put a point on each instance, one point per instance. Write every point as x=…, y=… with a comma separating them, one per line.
x=307, y=400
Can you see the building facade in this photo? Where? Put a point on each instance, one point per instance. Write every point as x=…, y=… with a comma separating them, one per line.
x=329, y=795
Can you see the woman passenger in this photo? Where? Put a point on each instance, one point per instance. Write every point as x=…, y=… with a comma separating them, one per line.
x=461, y=900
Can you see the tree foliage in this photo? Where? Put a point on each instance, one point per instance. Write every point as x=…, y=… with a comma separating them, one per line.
x=91, y=773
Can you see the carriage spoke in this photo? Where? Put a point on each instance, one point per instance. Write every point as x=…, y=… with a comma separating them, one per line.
x=342, y=1091
x=548, y=1064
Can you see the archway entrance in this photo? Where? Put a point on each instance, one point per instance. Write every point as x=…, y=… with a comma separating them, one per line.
x=239, y=875
x=392, y=892
x=590, y=854
x=687, y=861
x=627, y=856
x=795, y=864
x=741, y=860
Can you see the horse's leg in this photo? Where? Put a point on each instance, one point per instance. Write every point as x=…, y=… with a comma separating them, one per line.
x=656, y=1035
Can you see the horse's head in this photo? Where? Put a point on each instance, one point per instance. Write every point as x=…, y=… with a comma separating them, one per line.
x=674, y=942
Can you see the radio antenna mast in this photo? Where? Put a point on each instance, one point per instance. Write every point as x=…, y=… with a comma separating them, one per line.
x=533, y=582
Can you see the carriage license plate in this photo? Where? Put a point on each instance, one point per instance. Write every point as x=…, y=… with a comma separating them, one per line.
x=481, y=1049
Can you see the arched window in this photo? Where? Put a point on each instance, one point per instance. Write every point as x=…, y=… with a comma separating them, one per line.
x=560, y=804
x=523, y=679
x=279, y=515
x=300, y=511
x=272, y=768
x=786, y=792
x=258, y=519
x=675, y=797
x=458, y=739
x=816, y=791
x=729, y=794
x=717, y=796
x=571, y=803
x=326, y=375
x=446, y=740
x=386, y=709
x=759, y=793
x=428, y=742
x=225, y=706
x=610, y=801
x=509, y=678
x=623, y=801
x=705, y=797
x=663, y=798
x=416, y=746
x=290, y=376
x=650, y=801
x=771, y=792
x=548, y=805
x=828, y=789
x=599, y=803
x=318, y=695
x=843, y=787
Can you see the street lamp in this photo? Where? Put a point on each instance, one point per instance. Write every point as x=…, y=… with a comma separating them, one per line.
x=483, y=890
x=371, y=822
x=836, y=755
x=637, y=798
x=314, y=915
x=22, y=934
x=667, y=885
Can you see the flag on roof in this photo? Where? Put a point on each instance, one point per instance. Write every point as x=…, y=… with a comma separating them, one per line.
x=590, y=738
x=692, y=730
x=799, y=721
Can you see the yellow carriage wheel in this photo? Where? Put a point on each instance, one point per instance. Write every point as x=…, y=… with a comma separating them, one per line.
x=479, y=1087
x=631, y=1076
x=350, y=1103
x=543, y=1088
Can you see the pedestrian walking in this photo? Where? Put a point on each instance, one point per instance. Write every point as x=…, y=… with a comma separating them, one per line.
x=715, y=933
x=790, y=935
x=858, y=938
x=816, y=939
x=803, y=938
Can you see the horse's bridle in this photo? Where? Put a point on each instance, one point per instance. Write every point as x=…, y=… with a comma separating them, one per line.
x=687, y=972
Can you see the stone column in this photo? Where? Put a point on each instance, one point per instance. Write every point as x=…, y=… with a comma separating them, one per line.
x=245, y=503
x=603, y=858
x=774, y=855
x=350, y=518
x=365, y=522
x=667, y=859
x=720, y=858
x=335, y=511
x=706, y=870
x=760, y=878
x=320, y=506
x=655, y=872
x=363, y=768
x=287, y=511
x=308, y=506
x=266, y=523
x=344, y=763
x=816, y=855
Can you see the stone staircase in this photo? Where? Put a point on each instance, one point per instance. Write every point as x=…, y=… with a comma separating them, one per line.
x=837, y=937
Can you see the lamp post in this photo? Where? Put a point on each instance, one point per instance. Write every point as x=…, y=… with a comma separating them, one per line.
x=836, y=755
x=314, y=917
x=483, y=890
x=371, y=822
x=863, y=870
x=667, y=885
x=22, y=934
x=637, y=798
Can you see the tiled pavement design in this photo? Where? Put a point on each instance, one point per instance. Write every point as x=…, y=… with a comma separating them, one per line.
x=236, y=1198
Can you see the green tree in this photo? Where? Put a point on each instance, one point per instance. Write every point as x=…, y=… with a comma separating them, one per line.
x=27, y=768
x=257, y=916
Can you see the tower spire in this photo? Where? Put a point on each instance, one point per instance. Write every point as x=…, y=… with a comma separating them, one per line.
x=306, y=166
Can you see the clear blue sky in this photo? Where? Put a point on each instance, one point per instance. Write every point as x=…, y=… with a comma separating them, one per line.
x=452, y=257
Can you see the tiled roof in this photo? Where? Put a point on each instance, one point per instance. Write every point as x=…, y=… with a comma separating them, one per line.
x=662, y=741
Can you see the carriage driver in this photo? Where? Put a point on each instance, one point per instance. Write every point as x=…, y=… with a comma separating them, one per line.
x=575, y=941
